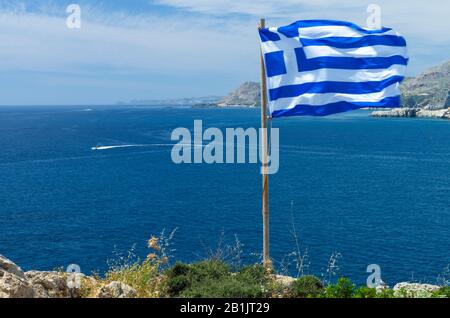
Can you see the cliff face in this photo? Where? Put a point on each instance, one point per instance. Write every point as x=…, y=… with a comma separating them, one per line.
x=429, y=90
x=15, y=283
x=248, y=94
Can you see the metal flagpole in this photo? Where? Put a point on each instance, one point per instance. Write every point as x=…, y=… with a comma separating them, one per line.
x=265, y=177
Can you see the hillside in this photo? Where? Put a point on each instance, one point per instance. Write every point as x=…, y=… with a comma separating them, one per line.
x=430, y=90
x=248, y=94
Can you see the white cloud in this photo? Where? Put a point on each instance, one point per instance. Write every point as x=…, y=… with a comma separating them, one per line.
x=188, y=43
x=274, y=9
x=216, y=44
x=425, y=18
x=425, y=24
x=43, y=43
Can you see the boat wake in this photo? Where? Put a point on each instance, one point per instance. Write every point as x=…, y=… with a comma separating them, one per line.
x=115, y=146
x=98, y=147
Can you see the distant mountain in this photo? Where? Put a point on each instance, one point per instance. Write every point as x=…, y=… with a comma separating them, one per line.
x=248, y=94
x=429, y=90
x=188, y=101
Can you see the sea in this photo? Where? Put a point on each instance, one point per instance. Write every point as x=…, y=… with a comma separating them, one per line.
x=90, y=185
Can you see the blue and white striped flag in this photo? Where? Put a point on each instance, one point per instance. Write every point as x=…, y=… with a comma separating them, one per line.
x=322, y=67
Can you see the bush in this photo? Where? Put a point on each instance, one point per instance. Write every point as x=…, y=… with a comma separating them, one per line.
x=306, y=286
x=444, y=292
x=386, y=293
x=344, y=288
x=144, y=278
x=182, y=277
x=365, y=292
x=254, y=273
x=177, y=279
x=213, y=278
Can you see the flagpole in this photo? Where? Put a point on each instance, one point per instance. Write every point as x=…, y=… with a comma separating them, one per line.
x=265, y=177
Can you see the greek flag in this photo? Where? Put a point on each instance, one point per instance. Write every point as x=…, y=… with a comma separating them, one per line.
x=322, y=67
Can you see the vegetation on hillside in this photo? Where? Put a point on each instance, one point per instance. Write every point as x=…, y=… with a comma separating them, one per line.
x=217, y=278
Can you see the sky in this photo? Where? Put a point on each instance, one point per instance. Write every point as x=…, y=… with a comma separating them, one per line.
x=156, y=49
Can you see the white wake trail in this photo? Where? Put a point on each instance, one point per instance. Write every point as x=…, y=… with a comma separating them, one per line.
x=136, y=145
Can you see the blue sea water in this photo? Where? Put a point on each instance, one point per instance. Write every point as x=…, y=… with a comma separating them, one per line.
x=375, y=190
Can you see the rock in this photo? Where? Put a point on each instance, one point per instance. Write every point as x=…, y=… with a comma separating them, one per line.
x=441, y=113
x=414, y=290
x=396, y=112
x=13, y=283
x=248, y=94
x=13, y=286
x=286, y=281
x=8, y=266
x=413, y=112
x=430, y=89
x=50, y=284
x=116, y=290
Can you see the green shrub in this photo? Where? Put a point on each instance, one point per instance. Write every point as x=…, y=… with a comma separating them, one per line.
x=254, y=273
x=443, y=292
x=344, y=288
x=214, y=279
x=386, y=293
x=181, y=277
x=209, y=269
x=365, y=292
x=306, y=286
x=177, y=279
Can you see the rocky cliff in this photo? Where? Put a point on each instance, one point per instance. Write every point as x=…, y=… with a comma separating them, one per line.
x=15, y=283
x=248, y=94
x=429, y=90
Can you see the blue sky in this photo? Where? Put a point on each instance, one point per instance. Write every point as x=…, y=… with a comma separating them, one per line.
x=151, y=49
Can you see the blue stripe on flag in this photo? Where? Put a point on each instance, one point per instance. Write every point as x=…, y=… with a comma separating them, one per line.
x=333, y=108
x=346, y=63
x=350, y=42
x=267, y=35
x=332, y=87
x=275, y=63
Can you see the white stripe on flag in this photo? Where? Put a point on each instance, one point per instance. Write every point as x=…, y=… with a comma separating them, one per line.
x=337, y=75
x=335, y=30
x=322, y=99
x=367, y=51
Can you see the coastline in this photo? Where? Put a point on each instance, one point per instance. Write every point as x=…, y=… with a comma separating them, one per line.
x=413, y=113
x=15, y=283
